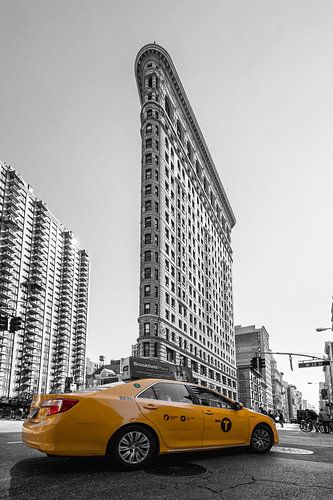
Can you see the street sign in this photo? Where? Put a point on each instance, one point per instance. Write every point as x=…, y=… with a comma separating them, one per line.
x=310, y=364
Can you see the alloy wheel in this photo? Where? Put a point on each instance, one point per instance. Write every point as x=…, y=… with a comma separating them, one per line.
x=134, y=447
x=261, y=439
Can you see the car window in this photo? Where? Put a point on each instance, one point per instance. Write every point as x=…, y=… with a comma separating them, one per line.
x=148, y=394
x=209, y=398
x=176, y=393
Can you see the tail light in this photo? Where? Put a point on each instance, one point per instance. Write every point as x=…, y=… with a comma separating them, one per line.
x=54, y=406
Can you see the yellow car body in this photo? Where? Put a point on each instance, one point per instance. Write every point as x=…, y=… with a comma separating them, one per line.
x=89, y=423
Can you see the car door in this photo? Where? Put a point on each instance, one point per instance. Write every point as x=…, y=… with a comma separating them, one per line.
x=223, y=425
x=170, y=407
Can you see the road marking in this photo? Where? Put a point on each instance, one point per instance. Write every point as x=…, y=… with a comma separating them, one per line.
x=292, y=451
x=14, y=442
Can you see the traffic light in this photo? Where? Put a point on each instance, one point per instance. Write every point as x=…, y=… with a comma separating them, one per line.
x=254, y=363
x=3, y=322
x=262, y=363
x=15, y=324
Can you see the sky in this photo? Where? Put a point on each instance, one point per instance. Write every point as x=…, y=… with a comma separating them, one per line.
x=259, y=77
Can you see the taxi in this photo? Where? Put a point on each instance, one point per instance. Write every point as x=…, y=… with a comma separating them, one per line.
x=132, y=422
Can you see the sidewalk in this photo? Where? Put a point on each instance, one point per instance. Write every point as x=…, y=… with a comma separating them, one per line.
x=10, y=426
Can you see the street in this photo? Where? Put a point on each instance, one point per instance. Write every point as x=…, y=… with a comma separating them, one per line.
x=300, y=467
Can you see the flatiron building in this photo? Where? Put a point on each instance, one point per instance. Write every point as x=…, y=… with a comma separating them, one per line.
x=186, y=297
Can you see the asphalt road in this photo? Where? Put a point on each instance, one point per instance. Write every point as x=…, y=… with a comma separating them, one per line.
x=301, y=467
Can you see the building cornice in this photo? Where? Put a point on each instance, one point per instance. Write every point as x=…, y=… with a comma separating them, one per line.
x=169, y=68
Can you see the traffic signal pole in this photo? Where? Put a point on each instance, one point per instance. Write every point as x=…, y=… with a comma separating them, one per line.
x=290, y=354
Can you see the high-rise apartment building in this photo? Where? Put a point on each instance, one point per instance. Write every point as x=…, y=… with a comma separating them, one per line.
x=186, y=298
x=44, y=279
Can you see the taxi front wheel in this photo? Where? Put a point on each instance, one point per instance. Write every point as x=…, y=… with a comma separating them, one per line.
x=132, y=447
x=261, y=439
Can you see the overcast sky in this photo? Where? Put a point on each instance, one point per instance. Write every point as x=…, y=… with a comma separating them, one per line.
x=259, y=77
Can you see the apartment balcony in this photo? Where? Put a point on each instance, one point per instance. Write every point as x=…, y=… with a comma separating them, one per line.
x=5, y=295
x=6, y=259
x=5, y=268
x=9, y=223
x=41, y=253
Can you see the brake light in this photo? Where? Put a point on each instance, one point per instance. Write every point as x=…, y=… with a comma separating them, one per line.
x=55, y=406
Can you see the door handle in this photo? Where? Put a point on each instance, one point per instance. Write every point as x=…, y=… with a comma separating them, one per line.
x=208, y=412
x=150, y=407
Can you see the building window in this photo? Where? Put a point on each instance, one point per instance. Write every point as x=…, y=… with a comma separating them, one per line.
x=147, y=239
x=149, y=158
x=149, y=128
x=147, y=205
x=146, y=290
x=148, y=189
x=167, y=106
x=149, y=142
x=189, y=150
x=148, y=173
x=147, y=221
x=146, y=349
x=146, y=328
x=146, y=308
x=179, y=130
x=147, y=256
x=149, y=112
x=147, y=272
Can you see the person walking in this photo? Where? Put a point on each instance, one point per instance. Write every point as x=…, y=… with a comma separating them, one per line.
x=324, y=418
x=281, y=418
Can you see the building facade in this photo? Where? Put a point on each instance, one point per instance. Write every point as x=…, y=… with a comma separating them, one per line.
x=277, y=386
x=295, y=401
x=44, y=280
x=186, y=297
x=252, y=342
x=328, y=372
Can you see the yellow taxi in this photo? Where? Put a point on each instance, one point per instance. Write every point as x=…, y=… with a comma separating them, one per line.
x=132, y=422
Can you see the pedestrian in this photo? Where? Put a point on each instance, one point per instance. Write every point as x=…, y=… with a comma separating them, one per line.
x=314, y=419
x=324, y=418
x=280, y=418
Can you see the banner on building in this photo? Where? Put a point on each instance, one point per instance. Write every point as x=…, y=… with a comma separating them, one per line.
x=134, y=368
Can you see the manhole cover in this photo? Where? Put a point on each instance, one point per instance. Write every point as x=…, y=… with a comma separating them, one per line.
x=184, y=469
x=292, y=451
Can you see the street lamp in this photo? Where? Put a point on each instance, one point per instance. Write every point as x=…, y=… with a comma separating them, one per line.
x=323, y=329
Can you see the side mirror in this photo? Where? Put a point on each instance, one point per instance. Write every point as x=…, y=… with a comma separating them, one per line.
x=238, y=406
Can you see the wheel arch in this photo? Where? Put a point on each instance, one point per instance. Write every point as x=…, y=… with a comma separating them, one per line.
x=266, y=425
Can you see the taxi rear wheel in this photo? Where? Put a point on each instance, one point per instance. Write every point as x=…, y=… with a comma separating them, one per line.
x=261, y=439
x=133, y=447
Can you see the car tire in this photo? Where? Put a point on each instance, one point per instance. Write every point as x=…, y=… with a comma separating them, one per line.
x=132, y=447
x=261, y=439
